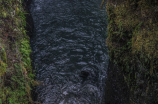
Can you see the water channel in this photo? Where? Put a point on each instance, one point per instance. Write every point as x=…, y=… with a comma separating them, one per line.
x=69, y=51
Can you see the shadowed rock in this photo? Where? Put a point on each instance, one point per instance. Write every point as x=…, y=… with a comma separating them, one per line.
x=84, y=74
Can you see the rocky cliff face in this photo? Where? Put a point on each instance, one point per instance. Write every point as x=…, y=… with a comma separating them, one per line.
x=116, y=91
x=133, y=46
x=16, y=75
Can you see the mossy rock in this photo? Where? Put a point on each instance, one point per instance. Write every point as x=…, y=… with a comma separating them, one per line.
x=15, y=63
x=133, y=44
x=3, y=56
x=2, y=68
x=25, y=50
x=3, y=61
x=146, y=42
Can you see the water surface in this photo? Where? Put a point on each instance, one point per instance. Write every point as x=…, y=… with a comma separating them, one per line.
x=69, y=50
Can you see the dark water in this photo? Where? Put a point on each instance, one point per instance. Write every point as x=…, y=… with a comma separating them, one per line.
x=69, y=50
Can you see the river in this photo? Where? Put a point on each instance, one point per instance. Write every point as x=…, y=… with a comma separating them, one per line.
x=69, y=51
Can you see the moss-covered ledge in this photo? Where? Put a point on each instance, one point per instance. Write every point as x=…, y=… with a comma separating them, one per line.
x=133, y=46
x=16, y=77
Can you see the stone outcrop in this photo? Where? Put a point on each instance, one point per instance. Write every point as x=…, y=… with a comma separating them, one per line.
x=132, y=42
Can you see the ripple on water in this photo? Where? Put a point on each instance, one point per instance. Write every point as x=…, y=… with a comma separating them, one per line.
x=68, y=40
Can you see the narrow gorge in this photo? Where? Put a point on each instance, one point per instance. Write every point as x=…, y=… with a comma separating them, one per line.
x=78, y=52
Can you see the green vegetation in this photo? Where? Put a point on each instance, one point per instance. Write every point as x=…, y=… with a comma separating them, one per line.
x=16, y=76
x=133, y=45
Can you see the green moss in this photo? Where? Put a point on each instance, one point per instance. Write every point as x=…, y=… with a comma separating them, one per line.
x=3, y=61
x=145, y=41
x=4, y=14
x=16, y=92
x=132, y=41
x=15, y=64
x=2, y=68
x=3, y=56
x=25, y=50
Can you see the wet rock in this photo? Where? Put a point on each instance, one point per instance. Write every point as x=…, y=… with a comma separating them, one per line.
x=84, y=74
x=116, y=90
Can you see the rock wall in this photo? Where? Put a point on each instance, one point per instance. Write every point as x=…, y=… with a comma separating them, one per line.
x=16, y=74
x=116, y=91
x=133, y=46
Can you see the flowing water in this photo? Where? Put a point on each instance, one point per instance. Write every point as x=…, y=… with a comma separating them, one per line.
x=69, y=51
